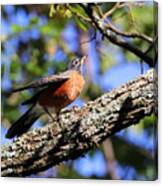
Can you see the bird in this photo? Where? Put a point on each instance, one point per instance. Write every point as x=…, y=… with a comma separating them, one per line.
x=52, y=93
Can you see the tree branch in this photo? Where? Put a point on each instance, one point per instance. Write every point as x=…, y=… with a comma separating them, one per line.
x=111, y=27
x=81, y=129
x=113, y=38
x=108, y=13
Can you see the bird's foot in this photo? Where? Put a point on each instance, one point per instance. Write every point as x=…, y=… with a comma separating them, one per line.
x=95, y=142
x=52, y=119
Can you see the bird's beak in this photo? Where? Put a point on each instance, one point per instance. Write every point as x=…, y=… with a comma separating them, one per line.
x=84, y=59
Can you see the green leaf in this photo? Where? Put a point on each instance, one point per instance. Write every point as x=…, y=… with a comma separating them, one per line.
x=82, y=24
x=78, y=9
x=34, y=21
x=16, y=28
x=15, y=67
x=52, y=11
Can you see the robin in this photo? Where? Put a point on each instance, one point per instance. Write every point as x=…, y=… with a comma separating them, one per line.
x=53, y=92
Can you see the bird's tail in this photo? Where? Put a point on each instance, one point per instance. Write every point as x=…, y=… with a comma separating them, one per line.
x=24, y=122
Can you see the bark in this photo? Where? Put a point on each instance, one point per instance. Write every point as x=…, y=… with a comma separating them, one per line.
x=80, y=129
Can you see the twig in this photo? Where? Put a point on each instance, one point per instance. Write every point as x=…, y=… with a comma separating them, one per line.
x=146, y=52
x=108, y=13
x=78, y=14
x=114, y=39
x=124, y=4
x=128, y=34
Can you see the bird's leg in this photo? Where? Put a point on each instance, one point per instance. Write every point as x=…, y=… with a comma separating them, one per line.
x=49, y=114
x=54, y=118
x=59, y=119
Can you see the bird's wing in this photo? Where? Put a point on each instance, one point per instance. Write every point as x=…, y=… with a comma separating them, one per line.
x=43, y=82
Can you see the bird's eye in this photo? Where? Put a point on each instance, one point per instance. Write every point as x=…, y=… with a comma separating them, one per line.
x=75, y=62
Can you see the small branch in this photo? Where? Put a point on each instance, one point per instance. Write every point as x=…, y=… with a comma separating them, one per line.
x=81, y=129
x=96, y=22
x=128, y=34
x=87, y=19
x=131, y=48
x=146, y=52
x=110, y=26
x=126, y=4
x=108, y=13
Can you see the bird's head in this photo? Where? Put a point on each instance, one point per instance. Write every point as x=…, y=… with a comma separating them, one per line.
x=77, y=64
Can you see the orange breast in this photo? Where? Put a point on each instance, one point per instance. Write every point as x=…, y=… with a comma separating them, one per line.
x=62, y=95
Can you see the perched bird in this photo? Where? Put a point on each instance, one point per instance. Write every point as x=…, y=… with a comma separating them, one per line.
x=52, y=93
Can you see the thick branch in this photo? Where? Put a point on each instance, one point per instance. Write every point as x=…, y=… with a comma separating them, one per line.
x=81, y=129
